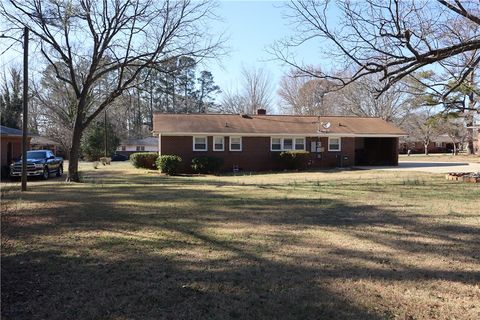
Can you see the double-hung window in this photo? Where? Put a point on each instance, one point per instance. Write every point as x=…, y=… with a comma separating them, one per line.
x=276, y=144
x=334, y=144
x=299, y=143
x=235, y=143
x=218, y=143
x=287, y=144
x=200, y=144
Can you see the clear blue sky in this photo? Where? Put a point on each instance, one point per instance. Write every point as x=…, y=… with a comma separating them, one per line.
x=251, y=27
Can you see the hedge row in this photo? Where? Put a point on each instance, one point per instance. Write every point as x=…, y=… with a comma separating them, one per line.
x=206, y=164
x=145, y=160
x=293, y=159
x=170, y=164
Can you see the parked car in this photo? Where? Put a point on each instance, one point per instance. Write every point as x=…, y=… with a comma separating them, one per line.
x=119, y=157
x=41, y=163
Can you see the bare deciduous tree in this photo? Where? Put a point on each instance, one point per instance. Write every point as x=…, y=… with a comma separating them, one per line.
x=254, y=93
x=453, y=126
x=393, y=39
x=113, y=39
x=360, y=99
x=257, y=86
x=232, y=102
x=422, y=126
x=305, y=95
x=55, y=102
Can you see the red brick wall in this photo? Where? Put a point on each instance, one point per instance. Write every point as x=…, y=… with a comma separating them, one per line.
x=16, y=148
x=331, y=159
x=256, y=154
x=16, y=143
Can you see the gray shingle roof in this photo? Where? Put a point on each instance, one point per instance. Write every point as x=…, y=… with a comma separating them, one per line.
x=6, y=131
x=149, y=141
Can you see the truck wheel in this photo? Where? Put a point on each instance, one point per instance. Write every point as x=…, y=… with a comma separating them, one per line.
x=45, y=174
x=60, y=171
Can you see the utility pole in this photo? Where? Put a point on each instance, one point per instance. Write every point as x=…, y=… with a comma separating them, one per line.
x=25, y=109
x=105, y=133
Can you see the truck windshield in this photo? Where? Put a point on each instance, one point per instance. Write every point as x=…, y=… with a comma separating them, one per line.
x=36, y=155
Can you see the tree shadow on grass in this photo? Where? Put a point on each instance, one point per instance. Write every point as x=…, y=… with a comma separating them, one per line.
x=134, y=278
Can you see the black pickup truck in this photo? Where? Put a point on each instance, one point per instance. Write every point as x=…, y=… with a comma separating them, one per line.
x=40, y=163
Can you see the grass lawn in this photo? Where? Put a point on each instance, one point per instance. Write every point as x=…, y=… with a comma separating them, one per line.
x=132, y=244
x=439, y=157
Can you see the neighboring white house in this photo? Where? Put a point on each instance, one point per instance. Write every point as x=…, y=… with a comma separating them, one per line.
x=129, y=146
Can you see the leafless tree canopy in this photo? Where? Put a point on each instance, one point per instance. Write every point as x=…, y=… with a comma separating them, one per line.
x=232, y=102
x=394, y=38
x=87, y=42
x=254, y=93
x=258, y=88
x=305, y=95
x=360, y=98
x=422, y=126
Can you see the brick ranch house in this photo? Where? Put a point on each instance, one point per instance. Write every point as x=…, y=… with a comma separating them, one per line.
x=250, y=142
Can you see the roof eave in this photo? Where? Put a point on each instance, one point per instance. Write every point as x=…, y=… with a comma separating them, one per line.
x=305, y=134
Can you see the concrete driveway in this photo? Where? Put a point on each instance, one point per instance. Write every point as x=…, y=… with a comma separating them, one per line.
x=428, y=166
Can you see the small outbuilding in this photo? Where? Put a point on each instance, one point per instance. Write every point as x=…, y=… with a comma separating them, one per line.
x=11, y=147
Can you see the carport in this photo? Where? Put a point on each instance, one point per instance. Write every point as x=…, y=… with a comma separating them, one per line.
x=373, y=151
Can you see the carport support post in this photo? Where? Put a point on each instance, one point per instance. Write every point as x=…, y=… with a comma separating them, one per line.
x=25, y=109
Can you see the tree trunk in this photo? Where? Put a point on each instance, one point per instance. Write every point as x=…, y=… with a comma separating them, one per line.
x=454, y=149
x=426, y=148
x=469, y=124
x=74, y=155
x=469, y=117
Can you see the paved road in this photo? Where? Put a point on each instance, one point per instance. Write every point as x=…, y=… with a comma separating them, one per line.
x=429, y=166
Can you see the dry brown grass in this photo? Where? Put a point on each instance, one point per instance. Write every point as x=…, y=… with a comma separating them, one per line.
x=133, y=244
x=442, y=158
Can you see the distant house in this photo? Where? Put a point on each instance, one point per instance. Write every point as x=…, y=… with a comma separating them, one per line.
x=440, y=144
x=11, y=147
x=129, y=146
x=252, y=142
x=44, y=143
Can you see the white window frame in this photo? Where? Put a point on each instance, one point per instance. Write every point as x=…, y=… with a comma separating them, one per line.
x=271, y=143
x=206, y=143
x=339, y=144
x=223, y=143
x=295, y=144
x=230, y=143
x=282, y=144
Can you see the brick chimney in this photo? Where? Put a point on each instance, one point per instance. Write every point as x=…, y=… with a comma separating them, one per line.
x=261, y=112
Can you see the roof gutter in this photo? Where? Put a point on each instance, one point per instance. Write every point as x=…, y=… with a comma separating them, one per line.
x=316, y=134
